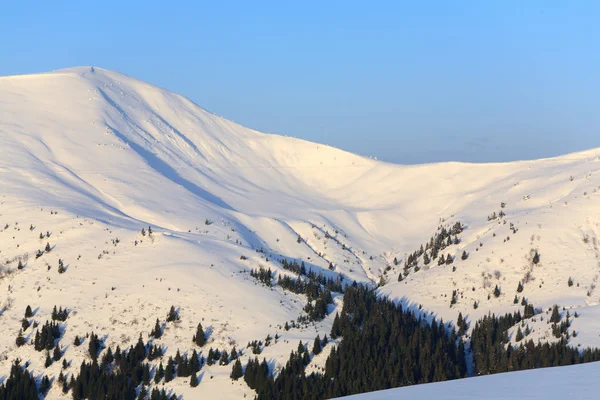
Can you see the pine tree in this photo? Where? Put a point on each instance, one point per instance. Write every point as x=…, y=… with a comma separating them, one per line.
x=28, y=312
x=464, y=255
x=157, y=331
x=236, y=371
x=317, y=345
x=48, y=360
x=224, y=360
x=536, y=258
x=194, y=380
x=57, y=354
x=496, y=291
x=172, y=315
x=555, y=317
x=199, y=338
x=160, y=373
x=45, y=385
x=170, y=370
x=519, y=336
x=48, y=248
x=194, y=362
x=336, y=327
x=459, y=321
x=20, y=339
x=520, y=287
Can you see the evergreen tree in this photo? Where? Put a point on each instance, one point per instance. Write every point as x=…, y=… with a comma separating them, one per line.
x=157, y=331
x=57, y=354
x=520, y=287
x=48, y=360
x=194, y=380
x=335, y=328
x=236, y=371
x=95, y=346
x=20, y=339
x=65, y=387
x=47, y=248
x=464, y=255
x=555, y=317
x=317, y=345
x=519, y=336
x=172, y=316
x=160, y=373
x=199, y=338
x=224, y=360
x=28, y=312
x=459, y=323
x=496, y=291
x=45, y=385
x=170, y=370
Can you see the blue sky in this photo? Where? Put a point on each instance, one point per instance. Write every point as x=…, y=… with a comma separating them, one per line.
x=405, y=81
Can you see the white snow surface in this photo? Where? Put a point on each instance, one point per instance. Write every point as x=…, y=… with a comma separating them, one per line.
x=92, y=155
x=572, y=382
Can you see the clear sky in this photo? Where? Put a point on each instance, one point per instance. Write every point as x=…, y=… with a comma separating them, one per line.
x=404, y=81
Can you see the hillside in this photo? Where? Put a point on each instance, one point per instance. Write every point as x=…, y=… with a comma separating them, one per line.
x=573, y=382
x=91, y=157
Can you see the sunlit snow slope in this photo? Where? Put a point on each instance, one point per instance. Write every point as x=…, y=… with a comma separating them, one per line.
x=572, y=382
x=113, y=155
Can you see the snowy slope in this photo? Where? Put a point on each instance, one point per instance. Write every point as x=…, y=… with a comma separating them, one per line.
x=112, y=155
x=572, y=382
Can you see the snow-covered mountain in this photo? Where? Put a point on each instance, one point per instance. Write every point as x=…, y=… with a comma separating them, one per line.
x=92, y=156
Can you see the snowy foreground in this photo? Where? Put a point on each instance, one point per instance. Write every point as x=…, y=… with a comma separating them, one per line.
x=89, y=157
x=572, y=382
